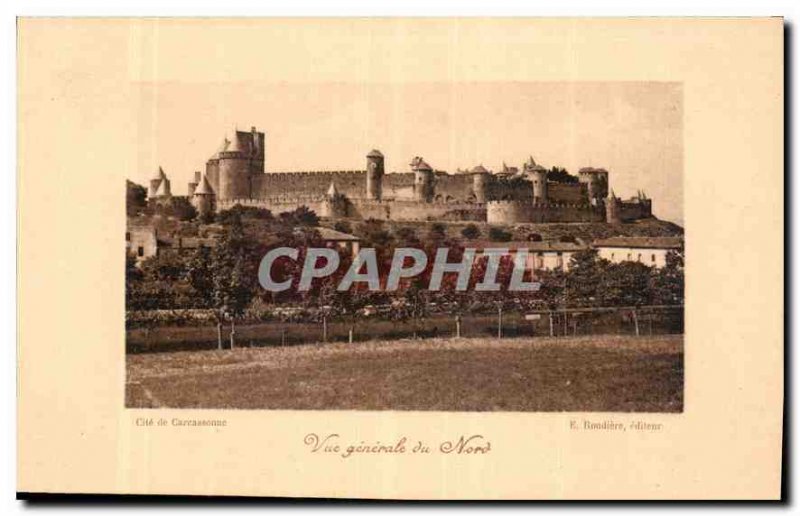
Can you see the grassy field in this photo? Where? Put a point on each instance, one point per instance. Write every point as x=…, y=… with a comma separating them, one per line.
x=593, y=373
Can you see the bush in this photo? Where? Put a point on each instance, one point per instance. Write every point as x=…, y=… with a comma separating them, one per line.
x=471, y=232
x=343, y=227
x=499, y=235
x=437, y=231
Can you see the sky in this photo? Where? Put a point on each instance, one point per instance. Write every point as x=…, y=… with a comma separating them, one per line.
x=633, y=129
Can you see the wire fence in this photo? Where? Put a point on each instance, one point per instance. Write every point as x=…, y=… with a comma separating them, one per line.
x=641, y=320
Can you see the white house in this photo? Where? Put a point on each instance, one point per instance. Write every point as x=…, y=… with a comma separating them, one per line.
x=651, y=251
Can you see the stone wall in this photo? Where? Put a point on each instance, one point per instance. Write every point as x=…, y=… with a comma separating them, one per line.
x=634, y=210
x=453, y=188
x=515, y=212
x=570, y=193
x=414, y=211
x=351, y=183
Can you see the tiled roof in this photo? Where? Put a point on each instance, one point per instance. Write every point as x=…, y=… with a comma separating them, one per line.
x=337, y=236
x=641, y=242
x=544, y=246
x=186, y=242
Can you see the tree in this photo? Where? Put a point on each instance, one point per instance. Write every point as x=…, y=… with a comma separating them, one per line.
x=231, y=291
x=198, y=274
x=406, y=237
x=301, y=216
x=135, y=198
x=668, y=282
x=437, y=232
x=239, y=213
x=586, y=272
x=499, y=235
x=133, y=278
x=560, y=175
x=626, y=284
x=343, y=227
x=182, y=209
x=471, y=232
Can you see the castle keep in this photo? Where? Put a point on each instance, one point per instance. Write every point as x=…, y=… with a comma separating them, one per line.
x=235, y=174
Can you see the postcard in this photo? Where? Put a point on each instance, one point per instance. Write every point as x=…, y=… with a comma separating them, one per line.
x=399, y=258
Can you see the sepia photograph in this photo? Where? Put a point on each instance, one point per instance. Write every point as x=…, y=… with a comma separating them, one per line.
x=400, y=258
x=428, y=246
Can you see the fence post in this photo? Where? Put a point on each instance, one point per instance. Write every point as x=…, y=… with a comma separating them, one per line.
x=325, y=328
x=350, y=335
x=458, y=326
x=233, y=333
x=636, y=322
x=550, y=316
x=500, y=322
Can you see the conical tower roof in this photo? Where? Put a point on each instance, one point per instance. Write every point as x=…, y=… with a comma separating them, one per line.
x=222, y=147
x=203, y=188
x=235, y=145
x=375, y=153
x=332, y=191
x=480, y=169
x=162, y=191
x=421, y=165
x=159, y=174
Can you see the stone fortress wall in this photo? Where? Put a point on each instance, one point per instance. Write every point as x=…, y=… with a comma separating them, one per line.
x=235, y=174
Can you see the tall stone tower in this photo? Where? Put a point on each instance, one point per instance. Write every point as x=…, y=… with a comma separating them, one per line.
x=596, y=181
x=423, y=180
x=374, y=175
x=234, y=171
x=230, y=170
x=613, y=209
x=480, y=183
x=537, y=175
x=193, y=184
x=203, y=198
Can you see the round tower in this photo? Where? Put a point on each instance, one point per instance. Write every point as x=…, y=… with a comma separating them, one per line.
x=613, y=215
x=234, y=172
x=193, y=184
x=374, y=175
x=423, y=180
x=538, y=176
x=596, y=181
x=203, y=198
x=480, y=183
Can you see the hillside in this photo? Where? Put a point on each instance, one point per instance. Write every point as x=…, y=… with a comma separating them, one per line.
x=588, y=231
